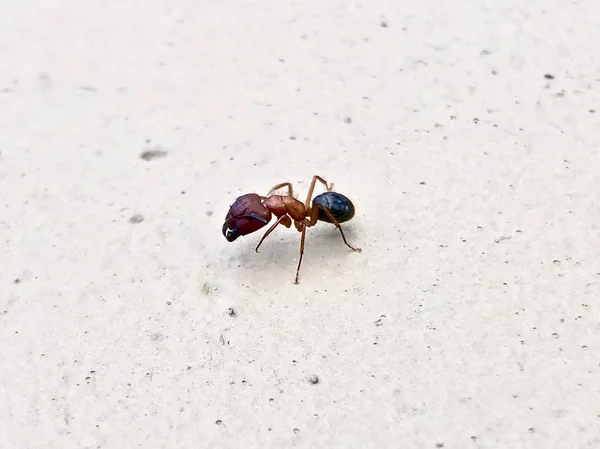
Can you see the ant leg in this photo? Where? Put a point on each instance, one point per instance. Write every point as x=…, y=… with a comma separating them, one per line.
x=279, y=186
x=284, y=220
x=313, y=219
x=316, y=178
x=301, y=253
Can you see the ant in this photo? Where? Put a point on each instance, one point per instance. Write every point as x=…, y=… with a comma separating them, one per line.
x=251, y=212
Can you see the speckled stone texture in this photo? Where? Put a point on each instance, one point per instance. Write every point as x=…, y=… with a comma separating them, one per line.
x=466, y=135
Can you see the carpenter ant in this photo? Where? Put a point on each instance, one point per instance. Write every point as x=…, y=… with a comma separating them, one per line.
x=251, y=212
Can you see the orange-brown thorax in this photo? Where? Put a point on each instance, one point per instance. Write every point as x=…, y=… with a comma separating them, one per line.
x=282, y=205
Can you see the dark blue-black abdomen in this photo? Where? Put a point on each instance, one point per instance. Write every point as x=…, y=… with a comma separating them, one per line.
x=340, y=207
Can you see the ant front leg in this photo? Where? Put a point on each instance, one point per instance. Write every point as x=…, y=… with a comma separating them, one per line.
x=314, y=214
x=279, y=186
x=316, y=178
x=284, y=220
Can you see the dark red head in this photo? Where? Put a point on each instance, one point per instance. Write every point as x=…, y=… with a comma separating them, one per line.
x=246, y=215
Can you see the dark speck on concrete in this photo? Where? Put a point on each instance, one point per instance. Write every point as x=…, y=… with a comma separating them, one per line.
x=156, y=336
x=218, y=422
x=383, y=24
x=347, y=120
x=313, y=379
x=136, y=218
x=155, y=153
x=549, y=76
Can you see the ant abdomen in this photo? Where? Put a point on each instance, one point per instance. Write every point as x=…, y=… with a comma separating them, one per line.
x=339, y=206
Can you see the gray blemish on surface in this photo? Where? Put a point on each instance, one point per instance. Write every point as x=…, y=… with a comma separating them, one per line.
x=136, y=218
x=156, y=336
x=155, y=153
x=45, y=80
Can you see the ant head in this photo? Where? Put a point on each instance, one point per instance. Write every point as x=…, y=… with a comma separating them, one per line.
x=246, y=215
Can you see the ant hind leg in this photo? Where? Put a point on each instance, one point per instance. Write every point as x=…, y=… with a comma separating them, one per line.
x=337, y=225
x=311, y=190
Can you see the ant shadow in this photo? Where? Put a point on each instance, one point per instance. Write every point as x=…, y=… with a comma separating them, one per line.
x=279, y=253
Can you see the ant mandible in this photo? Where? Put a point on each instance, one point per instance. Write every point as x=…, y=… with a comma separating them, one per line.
x=251, y=212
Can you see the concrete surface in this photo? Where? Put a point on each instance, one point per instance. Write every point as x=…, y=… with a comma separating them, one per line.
x=467, y=135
